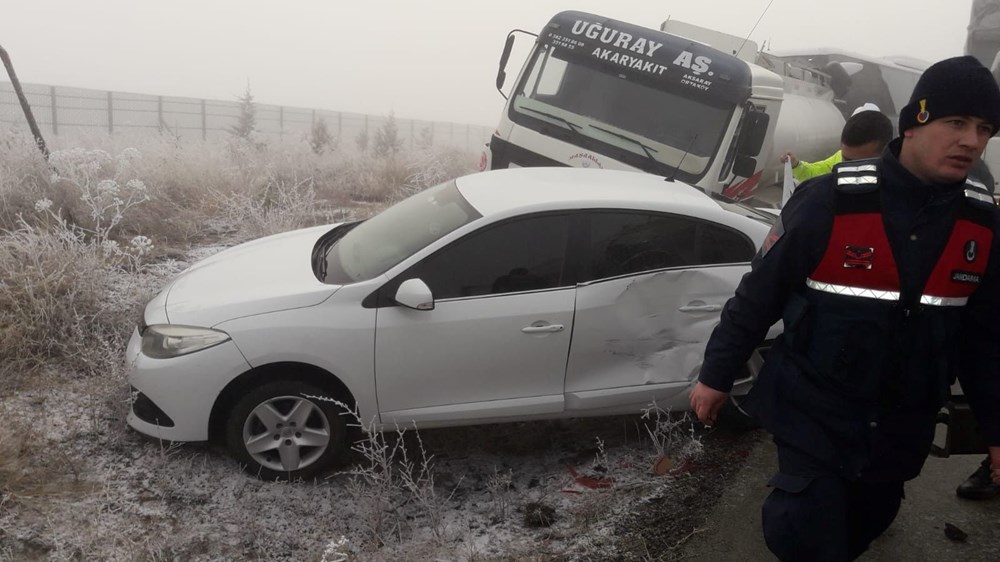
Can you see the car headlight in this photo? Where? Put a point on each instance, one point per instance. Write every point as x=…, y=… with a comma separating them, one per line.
x=163, y=341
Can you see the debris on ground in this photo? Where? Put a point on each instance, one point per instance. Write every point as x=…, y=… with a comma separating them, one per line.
x=954, y=533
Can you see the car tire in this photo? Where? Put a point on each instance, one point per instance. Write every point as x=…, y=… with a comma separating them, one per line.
x=286, y=430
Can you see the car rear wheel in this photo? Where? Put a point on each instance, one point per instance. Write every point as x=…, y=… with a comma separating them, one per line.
x=286, y=430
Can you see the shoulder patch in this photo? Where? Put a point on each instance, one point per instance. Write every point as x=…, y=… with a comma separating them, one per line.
x=857, y=176
x=976, y=191
x=773, y=235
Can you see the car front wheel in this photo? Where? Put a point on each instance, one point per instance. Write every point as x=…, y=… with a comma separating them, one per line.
x=286, y=430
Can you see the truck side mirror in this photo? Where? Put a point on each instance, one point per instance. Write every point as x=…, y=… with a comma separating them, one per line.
x=744, y=166
x=754, y=133
x=504, y=57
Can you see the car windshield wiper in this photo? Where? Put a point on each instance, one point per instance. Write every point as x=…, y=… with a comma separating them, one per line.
x=569, y=124
x=323, y=246
x=647, y=149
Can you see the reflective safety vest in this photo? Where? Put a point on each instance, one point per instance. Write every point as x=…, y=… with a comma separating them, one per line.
x=858, y=261
x=861, y=371
x=850, y=329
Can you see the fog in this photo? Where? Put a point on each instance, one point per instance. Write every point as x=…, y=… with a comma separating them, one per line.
x=434, y=60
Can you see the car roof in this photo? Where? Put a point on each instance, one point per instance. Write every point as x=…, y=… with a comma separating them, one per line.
x=499, y=192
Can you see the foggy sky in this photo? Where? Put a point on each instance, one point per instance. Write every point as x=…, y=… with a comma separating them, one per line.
x=433, y=60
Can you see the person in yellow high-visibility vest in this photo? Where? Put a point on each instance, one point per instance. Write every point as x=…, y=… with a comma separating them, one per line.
x=864, y=136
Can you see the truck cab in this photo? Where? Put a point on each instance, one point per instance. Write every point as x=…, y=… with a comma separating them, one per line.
x=596, y=92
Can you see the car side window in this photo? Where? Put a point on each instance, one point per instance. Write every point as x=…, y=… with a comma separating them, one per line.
x=630, y=242
x=525, y=254
x=720, y=244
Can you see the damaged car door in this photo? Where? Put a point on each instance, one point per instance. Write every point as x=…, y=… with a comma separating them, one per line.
x=654, y=285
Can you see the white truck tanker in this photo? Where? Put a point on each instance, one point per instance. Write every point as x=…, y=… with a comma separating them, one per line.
x=684, y=102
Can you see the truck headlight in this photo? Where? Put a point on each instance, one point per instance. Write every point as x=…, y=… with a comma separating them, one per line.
x=163, y=341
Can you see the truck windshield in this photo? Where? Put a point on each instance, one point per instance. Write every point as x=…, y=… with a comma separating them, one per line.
x=652, y=128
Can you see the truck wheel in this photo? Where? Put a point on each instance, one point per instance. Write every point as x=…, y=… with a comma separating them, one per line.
x=284, y=431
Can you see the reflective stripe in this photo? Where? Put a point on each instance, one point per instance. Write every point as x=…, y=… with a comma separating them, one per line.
x=943, y=301
x=975, y=183
x=856, y=180
x=852, y=291
x=866, y=168
x=973, y=194
x=846, y=291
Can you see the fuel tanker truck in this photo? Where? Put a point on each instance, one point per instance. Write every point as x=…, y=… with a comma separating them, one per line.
x=983, y=39
x=983, y=42
x=685, y=102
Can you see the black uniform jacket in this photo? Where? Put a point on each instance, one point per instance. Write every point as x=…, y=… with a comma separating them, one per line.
x=903, y=358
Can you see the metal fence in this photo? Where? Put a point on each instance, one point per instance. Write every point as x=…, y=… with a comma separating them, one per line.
x=61, y=109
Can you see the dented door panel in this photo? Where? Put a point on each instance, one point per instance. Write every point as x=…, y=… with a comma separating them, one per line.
x=648, y=330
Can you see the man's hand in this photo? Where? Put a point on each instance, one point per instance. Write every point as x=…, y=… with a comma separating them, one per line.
x=706, y=403
x=790, y=156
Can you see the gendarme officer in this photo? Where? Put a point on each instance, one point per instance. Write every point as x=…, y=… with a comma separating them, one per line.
x=886, y=274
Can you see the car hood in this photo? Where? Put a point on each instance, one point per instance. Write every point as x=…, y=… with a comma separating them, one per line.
x=265, y=275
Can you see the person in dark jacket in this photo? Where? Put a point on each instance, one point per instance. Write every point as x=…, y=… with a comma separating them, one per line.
x=886, y=275
x=979, y=485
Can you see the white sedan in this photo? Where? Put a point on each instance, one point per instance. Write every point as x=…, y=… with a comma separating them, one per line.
x=501, y=296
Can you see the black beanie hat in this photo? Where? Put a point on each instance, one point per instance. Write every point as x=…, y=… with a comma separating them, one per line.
x=955, y=86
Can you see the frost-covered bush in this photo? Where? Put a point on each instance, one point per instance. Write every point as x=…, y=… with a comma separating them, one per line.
x=52, y=288
x=673, y=437
x=282, y=206
x=23, y=176
x=99, y=191
x=68, y=291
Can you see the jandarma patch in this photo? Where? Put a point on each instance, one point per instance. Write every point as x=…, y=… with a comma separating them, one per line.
x=858, y=257
x=924, y=115
x=775, y=234
x=970, y=250
x=965, y=277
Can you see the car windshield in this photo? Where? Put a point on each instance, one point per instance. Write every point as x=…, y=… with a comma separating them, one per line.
x=683, y=130
x=376, y=245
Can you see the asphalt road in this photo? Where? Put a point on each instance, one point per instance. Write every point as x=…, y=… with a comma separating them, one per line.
x=733, y=531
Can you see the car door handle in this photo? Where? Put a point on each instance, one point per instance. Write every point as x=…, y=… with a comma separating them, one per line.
x=701, y=308
x=547, y=329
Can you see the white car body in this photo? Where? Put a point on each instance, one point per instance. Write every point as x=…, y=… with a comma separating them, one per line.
x=602, y=346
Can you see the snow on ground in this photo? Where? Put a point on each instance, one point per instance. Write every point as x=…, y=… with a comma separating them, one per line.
x=113, y=495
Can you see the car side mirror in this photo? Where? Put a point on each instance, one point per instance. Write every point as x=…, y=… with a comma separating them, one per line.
x=415, y=294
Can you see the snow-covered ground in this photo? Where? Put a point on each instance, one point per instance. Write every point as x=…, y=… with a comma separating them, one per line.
x=109, y=494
